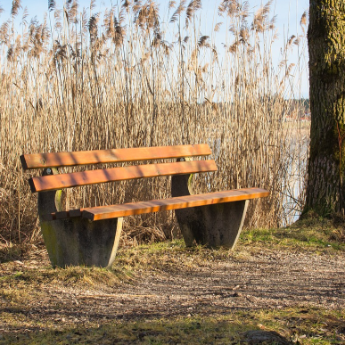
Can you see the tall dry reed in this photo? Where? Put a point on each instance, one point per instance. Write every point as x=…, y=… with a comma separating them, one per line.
x=81, y=80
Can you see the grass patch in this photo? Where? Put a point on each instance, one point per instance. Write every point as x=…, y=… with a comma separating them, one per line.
x=309, y=233
x=167, y=256
x=77, y=276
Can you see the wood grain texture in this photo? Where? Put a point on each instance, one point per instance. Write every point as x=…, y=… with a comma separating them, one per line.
x=115, y=211
x=53, y=182
x=45, y=160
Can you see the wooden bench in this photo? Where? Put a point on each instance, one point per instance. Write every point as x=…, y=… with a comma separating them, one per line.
x=90, y=236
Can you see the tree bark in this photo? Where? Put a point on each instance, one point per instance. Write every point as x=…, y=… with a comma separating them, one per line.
x=326, y=39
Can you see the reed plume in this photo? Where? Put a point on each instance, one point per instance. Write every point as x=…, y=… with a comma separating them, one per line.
x=82, y=80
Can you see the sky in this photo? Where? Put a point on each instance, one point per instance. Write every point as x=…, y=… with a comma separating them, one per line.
x=288, y=12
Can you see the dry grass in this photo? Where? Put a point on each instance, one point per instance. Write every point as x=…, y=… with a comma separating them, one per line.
x=126, y=78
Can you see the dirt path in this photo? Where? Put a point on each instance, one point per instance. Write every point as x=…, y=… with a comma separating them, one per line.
x=245, y=282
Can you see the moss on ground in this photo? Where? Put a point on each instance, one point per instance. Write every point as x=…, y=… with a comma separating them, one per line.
x=311, y=233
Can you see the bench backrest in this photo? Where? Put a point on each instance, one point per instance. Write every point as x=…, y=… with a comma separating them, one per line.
x=62, y=159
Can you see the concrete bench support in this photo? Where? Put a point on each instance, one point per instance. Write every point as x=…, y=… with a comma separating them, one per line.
x=77, y=241
x=211, y=225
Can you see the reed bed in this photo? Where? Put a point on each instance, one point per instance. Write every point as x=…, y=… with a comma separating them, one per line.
x=82, y=80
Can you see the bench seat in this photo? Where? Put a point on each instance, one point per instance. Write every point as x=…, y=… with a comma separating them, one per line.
x=129, y=209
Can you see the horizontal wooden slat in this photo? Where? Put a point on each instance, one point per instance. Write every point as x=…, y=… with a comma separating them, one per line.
x=52, y=182
x=115, y=211
x=45, y=160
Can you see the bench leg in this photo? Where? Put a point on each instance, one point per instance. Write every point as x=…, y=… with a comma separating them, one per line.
x=211, y=225
x=76, y=241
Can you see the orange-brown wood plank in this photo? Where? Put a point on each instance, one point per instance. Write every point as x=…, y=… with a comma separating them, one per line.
x=45, y=160
x=52, y=182
x=115, y=211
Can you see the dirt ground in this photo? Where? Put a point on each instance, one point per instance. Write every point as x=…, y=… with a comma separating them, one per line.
x=165, y=284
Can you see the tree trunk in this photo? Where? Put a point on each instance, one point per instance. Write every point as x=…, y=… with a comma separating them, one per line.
x=326, y=39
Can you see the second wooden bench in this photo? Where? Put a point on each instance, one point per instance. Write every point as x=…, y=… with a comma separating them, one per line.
x=90, y=236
